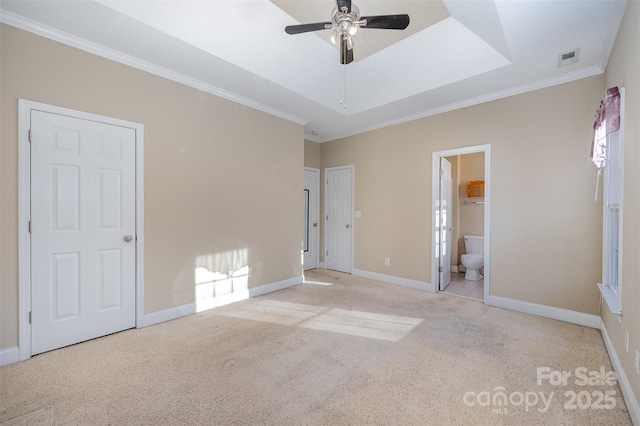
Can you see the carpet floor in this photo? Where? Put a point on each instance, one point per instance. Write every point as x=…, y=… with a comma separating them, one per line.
x=337, y=350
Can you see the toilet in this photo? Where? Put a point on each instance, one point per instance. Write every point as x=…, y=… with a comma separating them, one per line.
x=474, y=259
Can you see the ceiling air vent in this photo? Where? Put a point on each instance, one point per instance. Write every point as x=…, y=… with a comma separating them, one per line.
x=568, y=58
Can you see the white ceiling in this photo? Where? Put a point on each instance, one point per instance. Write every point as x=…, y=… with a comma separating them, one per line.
x=454, y=53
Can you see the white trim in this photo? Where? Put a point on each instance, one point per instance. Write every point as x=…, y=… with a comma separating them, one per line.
x=321, y=265
x=435, y=190
x=34, y=27
x=139, y=225
x=54, y=34
x=353, y=204
x=489, y=97
x=279, y=285
x=317, y=200
x=565, y=315
x=191, y=308
x=168, y=314
x=24, y=241
x=9, y=356
x=24, y=211
x=612, y=297
x=391, y=279
x=623, y=380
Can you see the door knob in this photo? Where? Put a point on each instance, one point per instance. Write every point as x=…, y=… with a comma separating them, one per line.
x=348, y=226
x=128, y=238
x=315, y=224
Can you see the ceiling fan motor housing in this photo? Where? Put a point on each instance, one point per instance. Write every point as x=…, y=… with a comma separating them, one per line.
x=345, y=21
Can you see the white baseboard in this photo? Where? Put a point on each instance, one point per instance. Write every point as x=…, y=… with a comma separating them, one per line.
x=566, y=315
x=391, y=279
x=321, y=265
x=214, y=302
x=9, y=356
x=627, y=391
x=168, y=314
x=280, y=285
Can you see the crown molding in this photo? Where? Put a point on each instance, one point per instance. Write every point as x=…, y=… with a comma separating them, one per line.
x=542, y=84
x=45, y=31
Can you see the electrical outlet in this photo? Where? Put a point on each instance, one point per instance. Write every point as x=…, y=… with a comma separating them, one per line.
x=387, y=261
x=637, y=362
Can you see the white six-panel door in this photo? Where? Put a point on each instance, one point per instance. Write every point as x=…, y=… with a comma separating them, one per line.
x=82, y=230
x=338, y=218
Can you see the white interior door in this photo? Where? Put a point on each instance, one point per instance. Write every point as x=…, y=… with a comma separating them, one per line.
x=82, y=230
x=444, y=223
x=310, y=236
x=338, y=218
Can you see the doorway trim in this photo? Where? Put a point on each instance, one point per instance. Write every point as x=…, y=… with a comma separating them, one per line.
x=24, y=212
x=317, y=212
x=435, y=191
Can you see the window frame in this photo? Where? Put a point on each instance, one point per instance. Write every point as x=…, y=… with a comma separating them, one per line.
x=612, y=217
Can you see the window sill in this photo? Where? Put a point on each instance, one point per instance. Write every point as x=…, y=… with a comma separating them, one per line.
x=612, y=299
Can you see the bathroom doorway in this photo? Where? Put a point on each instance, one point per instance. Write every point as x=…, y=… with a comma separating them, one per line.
x=465, y=211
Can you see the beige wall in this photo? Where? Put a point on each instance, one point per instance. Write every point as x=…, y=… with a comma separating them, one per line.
x=312, y=154
x=542, y=205
x=211, y=188
x=623, y=70
x=391, y=180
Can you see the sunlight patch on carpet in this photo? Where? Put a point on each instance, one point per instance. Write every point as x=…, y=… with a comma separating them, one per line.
x=316, y=282
x=355, y=323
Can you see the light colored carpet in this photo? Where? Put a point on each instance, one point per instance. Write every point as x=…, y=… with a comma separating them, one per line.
x=338, y=350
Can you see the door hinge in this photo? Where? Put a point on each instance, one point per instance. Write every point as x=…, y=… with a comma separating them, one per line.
x=327, y=253
x=439, y=268
x=29, y=136
x=441, y=172
x=327, y=217
x=327, y=181
x=29, y=317
x=29, y=226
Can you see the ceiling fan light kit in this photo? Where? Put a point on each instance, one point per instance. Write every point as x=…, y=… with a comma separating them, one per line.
x=345, y=22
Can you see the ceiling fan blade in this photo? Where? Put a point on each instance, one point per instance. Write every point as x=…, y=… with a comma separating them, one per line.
x=344, y=3
x=346, y=54
x=305, y=28
x=387, y=22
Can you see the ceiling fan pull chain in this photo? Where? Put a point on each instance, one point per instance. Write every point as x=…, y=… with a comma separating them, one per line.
x=343, y=87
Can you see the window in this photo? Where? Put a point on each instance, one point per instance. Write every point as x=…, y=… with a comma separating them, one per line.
x=608, y=155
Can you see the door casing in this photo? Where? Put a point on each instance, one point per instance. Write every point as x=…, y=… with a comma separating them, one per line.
x=314, y=207
x=435, y=193
x=24, y=212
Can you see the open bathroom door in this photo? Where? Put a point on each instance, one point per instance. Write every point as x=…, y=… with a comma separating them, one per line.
x=445, y=224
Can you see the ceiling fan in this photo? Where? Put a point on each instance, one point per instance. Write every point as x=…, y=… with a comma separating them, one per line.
x=345, y=22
